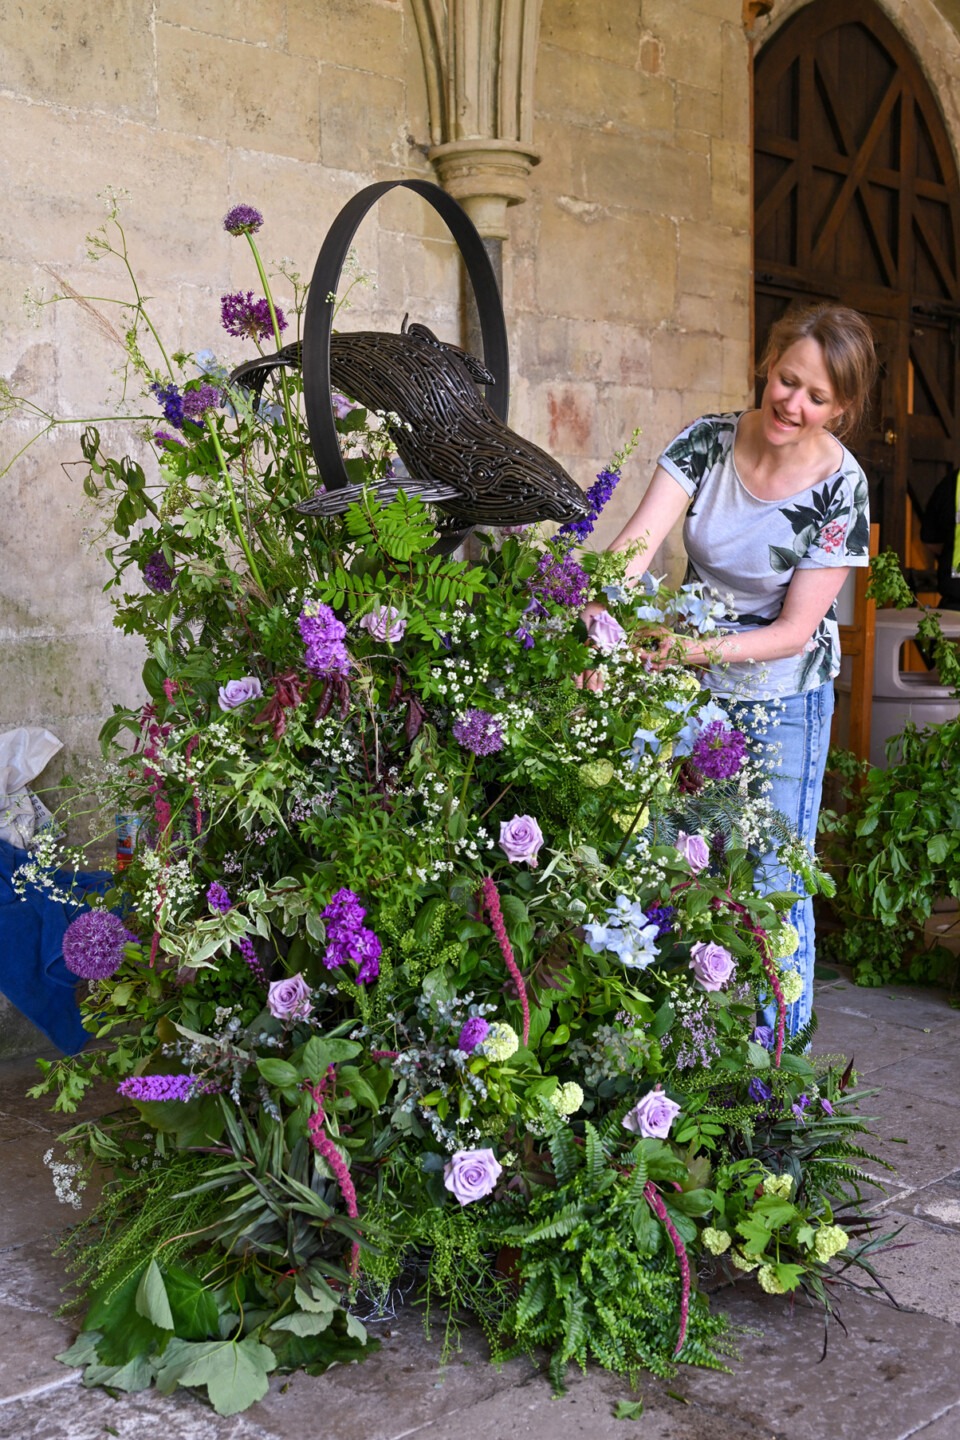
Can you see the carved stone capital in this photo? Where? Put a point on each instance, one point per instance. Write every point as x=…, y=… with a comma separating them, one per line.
x=485, y=176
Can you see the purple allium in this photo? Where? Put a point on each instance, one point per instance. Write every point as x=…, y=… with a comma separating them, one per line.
x=244, y=317
x=158, y=573
x=252, y=959
x=242, y=220
x=718, y=751
x=170, y=400
x=93, y=944
x=479, y=731
x=322, y=634
x=597, y=497
x=473, y=1032
x=563, y=581
x=764, y=1035
x=758, y=1091
x=163, y=1087
x=662, y=916
x=218, y=899
x=196, y=403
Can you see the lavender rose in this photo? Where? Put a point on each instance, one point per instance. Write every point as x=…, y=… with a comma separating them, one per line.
x=694, y=850
x=520, y=840
x=652, y=1116
x=289, y=999
x=606, y=633
x=238, y=692
x=471, y=1174
x=711, y=964
x=384, y=623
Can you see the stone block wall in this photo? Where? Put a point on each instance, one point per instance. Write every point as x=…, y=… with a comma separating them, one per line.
x=626, y=276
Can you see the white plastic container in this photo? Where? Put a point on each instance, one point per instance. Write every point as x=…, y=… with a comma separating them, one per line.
x=900, y=695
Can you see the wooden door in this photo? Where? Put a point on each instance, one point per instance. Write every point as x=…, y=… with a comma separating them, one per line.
x=857, y=201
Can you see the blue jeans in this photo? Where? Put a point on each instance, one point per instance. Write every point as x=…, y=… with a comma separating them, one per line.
x=802, y=735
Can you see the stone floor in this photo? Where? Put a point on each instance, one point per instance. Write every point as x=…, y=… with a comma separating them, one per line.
x=890, y=1372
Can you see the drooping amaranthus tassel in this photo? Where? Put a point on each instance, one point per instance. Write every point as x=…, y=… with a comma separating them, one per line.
x=491, y=901
x=660, y=1210
x=324, y=1146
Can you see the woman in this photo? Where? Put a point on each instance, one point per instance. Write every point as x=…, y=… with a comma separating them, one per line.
x=776, y=514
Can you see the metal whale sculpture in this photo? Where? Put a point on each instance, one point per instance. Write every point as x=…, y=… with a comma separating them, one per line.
x=460, y=455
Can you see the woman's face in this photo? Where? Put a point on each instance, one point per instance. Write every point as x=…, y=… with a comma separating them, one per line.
x=799, y=399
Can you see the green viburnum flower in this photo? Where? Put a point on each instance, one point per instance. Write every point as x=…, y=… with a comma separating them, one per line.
x=781, y=1185
x=791, y=983
x=596, y=773
x=769, y=1281
x=743, y=1262
x=716, y=1241
x=829, y=1241
x=785, y=941
x=501, y=1042
x=568, y=1098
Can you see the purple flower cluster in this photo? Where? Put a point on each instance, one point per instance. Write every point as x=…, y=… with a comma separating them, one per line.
x=479, y=731
x=718, y=751
x=473, y=1032
x=764, y=1035
x=164, y=438
x=158, y=573
x=597, y=496
x=170, y=400
x=196, y=403
x=562, y=581
x=242, y=220
x=163, y=1087
x=242, y=316
x=322, y=634
x=252, y=959
x=662, y=916
x=218, y=898
x=759, y=1091
x=93, y=944
x=348, y=938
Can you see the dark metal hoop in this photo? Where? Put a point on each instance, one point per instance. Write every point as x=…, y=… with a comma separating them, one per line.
x=318, y=320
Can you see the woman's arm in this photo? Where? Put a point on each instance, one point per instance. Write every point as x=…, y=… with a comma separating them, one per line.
x=809, y=596
x=662, y=505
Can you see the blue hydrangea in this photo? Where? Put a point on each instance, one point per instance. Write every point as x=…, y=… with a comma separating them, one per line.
x=629, y=933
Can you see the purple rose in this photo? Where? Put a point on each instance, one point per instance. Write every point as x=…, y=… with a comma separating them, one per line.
x=652, y=1116
x=520, y=839
x=384, y=623
x=471, y=1174
x=238, y=692
x=711, y=964
x=289, y=999
x=606, y=633
x=694, y=850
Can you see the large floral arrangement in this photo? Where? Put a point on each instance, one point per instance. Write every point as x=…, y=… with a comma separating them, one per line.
x=430, y=967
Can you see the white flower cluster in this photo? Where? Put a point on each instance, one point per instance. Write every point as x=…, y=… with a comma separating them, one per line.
x=66, y=1184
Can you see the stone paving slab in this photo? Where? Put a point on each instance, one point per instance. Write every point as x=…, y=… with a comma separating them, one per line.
x=869, y=1042
x=33, y=1277
x=932, y=1071
x=945, y=1427
x=913, y=1007
x=914, y=1132
x=29, y=1344
x=887, y=1376
x=72, y=1413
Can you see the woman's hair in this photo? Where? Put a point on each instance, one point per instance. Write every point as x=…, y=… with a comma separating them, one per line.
x=846, y=340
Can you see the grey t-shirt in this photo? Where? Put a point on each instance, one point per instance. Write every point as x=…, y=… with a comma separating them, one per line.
x=748, y=549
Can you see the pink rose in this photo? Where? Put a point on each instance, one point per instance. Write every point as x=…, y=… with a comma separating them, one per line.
x=471, y=1174
x=652, y=1116
x=711, y=964
x=694, y=850
x=520, y=839
x=289, y=999
x=606, y=633
x=238, y=692
x=384, y=623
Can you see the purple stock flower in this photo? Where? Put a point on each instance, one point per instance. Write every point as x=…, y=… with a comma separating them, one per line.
x=473, y=1032
x=764, y=1035
x=479, y=731
x=242, y=220
x=348, y=938
x=242, y=316
x=93, y=944
x=597, y=496
x=197, y=402
x=158, y=573
x=163, y=1087
x=170, y=400
x=759, y=1091
x=563, y=581
x=718, y=751
x=322, y=634
x=218, y=898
